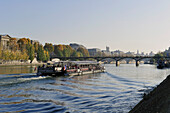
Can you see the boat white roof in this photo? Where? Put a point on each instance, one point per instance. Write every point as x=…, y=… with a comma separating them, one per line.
x=77, y=62
x=84, y=62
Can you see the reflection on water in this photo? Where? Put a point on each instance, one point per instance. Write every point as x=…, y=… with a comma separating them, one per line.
x=16, y=69
x=117, y=90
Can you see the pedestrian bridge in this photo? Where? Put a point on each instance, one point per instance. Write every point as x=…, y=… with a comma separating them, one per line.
x=116, y=58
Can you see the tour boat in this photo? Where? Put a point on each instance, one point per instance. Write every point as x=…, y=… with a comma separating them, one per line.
x=70, y=68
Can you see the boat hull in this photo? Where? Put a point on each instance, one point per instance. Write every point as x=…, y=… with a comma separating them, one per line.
x=65, y=73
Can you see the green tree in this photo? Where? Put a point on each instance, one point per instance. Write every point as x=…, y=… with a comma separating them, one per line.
x=0, y=53
x=59, y=53
x=30, y=51
x=36, y=46
x=67, y=52
x=79, y=54
x=49, y=47
x=22, y=44
x=13, y=45
x=83, y=51
x=24, y=55
x=159, y=55
x=18, y=55
x=12, y=55
x=47, y=55
x=58, y=50
x=74, y=53
x=42, y=55
x=6, y=55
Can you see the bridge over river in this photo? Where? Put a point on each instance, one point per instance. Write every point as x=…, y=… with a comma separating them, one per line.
x=116, y=58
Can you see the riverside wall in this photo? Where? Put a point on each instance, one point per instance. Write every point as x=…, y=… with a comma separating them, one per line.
x=157, y=101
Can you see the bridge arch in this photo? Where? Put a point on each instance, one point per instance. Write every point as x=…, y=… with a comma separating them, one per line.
x=113, y=58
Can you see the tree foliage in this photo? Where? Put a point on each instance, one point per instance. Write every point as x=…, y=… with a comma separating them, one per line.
x=63, y=50
x=67, y=51
x=42, y=55
x=36, y=47
x=14, y=55
x=22, y=44
x=30, y=51
x=13, y=45
x=159, y=55
x=49, y=47
x=83, y=51
x=0, y=53
x=24, y=49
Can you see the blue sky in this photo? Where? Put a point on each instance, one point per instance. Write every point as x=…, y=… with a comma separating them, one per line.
x=127, y=25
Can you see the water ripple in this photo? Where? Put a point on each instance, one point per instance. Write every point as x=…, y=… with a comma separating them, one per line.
x=115, y=91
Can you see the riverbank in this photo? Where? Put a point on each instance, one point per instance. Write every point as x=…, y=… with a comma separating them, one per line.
x=157, y=101
x=21, y=64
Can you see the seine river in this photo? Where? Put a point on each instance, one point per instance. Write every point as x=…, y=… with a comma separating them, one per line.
x=117, y=90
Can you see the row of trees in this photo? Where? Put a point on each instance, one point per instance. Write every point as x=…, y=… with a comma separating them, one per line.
x=24, y=49
x=68, y=51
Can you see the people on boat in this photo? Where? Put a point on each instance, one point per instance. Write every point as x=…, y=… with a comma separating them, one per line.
x=69, y=68
x=44, y=66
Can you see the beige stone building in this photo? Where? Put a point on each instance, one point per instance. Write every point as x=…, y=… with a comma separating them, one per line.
x=4, y=39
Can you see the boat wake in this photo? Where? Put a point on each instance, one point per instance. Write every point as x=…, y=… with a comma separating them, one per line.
x=33, y=78
x=17, y=79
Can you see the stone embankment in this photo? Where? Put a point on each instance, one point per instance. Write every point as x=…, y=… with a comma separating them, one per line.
x=19, y=63
x=157, y=101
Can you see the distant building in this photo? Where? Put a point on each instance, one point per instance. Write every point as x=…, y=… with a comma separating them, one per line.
x=4, y=39
x=151, y=53
x=167, y=52
x=117, y=53
x=138, y=54
x=94, y=51
x=130, y=53
x=107, y=51
x=142, y=54
x=76, y=46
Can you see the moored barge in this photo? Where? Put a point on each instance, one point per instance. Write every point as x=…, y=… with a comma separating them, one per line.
x=70, y=68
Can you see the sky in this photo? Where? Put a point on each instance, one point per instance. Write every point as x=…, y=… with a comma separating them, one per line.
x=127, y=25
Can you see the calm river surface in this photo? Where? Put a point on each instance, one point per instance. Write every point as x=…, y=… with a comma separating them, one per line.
x=115, y=91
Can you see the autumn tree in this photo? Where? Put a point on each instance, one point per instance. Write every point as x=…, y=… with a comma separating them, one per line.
x=13, y=45
x=74, y=53
x=22, y=44
x=83, y=51
x=24, y=55
x=63, y=50
x=159, y=55
x=42, y=55
x=49, y=47
x=0, y=52
x=67, y=52
x=36, y=44
x=30, y=51
x=58, y=50
x=5, y=55
x=79, y=54
x=47, y=56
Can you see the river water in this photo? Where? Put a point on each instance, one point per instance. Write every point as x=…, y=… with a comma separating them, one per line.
x=117, y=90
